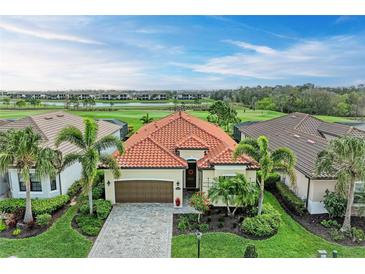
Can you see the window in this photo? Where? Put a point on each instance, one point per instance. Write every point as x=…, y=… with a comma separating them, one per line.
x=35, y=183
x=53, y=183
x=359, y=197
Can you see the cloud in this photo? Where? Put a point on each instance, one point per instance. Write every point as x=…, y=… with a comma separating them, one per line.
x=257, y=48
x=335, y=57
x=43, y=34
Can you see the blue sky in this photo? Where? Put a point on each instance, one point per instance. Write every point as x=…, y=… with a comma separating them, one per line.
x=179, y=52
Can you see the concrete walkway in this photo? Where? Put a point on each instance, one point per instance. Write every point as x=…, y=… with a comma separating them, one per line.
x=136, y=231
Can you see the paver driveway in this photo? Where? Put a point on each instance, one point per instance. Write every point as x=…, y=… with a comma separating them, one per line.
x=136, y=231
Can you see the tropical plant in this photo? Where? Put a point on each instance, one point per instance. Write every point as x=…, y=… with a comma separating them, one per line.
x=21, y=103
x=344, y=159
x=244, y=192
x=6, y=101
x=281, y=159
x=22, y=149
x=222, y=190
x=146, y=119
x=90, y=154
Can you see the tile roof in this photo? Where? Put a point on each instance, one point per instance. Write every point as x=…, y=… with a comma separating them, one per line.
x=48, y=125
x=179, y=130
x=303, y=134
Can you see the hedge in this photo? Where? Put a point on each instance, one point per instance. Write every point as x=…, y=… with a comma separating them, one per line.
x=264, y=225
x=292, y=201
x=74, y=189
x=39, y=206
x=271, y=180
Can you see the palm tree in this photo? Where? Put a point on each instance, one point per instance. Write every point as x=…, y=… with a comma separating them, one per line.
x=222, y=189
x=281, y=159
x=345, y=159
x=22, y=149
x=146, y=119
x=245, y=192
x=90, y=154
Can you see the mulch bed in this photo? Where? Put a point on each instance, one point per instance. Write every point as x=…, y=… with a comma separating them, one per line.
x=218, y=221
x=313, y=223
x=33, y=230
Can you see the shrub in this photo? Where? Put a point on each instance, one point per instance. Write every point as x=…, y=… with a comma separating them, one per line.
x=220, y=224
x=183, y=224
x=89, y=225
x=250, y=251
x=44, y=219
x=330, y=223
x=336, y=234
x=357, y=234
x=291, y=200
x=204, y=228
x=2, y=225
x=102, y=208
x=200, y=201
x=209, y=219
x=335, y=204
x=42, y=206
x=264, y=225
x=39, y=206
x=16, y=232
x=98, y=192
x=221, y=219
x=84, y=208
x=74, y=189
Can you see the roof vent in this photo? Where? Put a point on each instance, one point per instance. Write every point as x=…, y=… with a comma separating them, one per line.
x=48, y=118
x=311, y=141
x=296, y=136
x=60, y=115
x=293, y=116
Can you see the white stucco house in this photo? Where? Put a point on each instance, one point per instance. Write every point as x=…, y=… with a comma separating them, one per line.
x=306, y=135
x=164, y=158
x=48, y=125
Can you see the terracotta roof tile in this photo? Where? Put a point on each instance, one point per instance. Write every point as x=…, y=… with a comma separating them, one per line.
x=155, y=144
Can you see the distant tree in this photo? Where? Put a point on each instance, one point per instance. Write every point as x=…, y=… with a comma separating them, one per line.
x=266, y=104
x=224, y=114
x=344, y=158
x=6, y=101
x=146, y=119
x=21, y=103
x=281, y=159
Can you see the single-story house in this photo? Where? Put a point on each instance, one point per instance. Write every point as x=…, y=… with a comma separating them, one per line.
x=179, y=152
x=306, y=136
x=48, y=125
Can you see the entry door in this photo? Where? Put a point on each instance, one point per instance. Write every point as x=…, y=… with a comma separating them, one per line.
x=191, y=175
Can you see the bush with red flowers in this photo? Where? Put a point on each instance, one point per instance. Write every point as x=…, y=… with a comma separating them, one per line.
x=200, y=202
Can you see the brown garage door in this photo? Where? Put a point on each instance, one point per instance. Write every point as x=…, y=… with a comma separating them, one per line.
x=143, y=192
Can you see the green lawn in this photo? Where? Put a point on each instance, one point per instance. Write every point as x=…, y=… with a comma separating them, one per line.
x=60, y=241
x=291, y=241
x=132, y=115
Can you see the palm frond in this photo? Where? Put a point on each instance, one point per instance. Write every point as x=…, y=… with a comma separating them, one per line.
x=284, y=155
x=70, y=159
x=91, y=131
x=70, y=134
x=45, y=163
x=248, y=149
x=109, y=142
x=111, y=163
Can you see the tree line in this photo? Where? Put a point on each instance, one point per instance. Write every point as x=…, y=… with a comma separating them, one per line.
x=307, y=98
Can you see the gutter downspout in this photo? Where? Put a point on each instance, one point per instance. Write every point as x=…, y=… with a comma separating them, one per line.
x=308, y=188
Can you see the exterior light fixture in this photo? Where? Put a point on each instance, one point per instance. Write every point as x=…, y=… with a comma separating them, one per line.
x=198, y=235
x=108, y=183
x=178, y=185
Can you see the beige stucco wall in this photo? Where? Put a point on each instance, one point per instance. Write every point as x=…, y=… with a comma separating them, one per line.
x=191, y=154
x=175, y=175
x=300, y=187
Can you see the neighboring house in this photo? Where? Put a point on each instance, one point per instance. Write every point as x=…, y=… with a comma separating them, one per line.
x=48, y=125
x=306, y=136
x=176, y=153
x=123, y=127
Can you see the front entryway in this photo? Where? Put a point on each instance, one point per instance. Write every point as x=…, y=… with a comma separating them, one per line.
x=135, y=231
x=143, y=191
x=191, y=176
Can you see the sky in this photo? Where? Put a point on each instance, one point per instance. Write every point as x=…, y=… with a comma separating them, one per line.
x=179, y=52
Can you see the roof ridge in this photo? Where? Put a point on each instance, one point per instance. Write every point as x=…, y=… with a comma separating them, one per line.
x=301, y=121
x=38, y=128
x=191, y=136
x=166, y=150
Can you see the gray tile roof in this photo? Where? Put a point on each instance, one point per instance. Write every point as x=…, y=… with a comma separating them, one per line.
x=48, y=125
x=303, y=134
